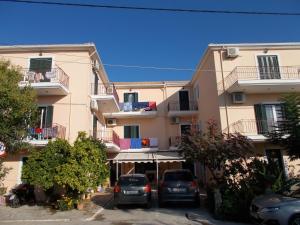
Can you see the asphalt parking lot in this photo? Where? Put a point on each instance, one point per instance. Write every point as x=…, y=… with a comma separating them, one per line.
x=102, y=211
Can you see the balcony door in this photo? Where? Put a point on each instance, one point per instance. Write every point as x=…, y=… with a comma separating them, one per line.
x=268, y=116
x=184, y=103
x=268, y=67
x=131, y=131
x=45, y=115
x=41, y=66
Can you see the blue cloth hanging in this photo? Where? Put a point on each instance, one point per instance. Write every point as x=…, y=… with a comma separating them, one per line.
x=135, y=143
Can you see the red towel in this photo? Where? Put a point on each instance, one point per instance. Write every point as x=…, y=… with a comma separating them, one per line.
x=152, y=105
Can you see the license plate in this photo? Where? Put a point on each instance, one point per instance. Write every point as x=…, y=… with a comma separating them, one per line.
x=178, y=190
x=131, y=192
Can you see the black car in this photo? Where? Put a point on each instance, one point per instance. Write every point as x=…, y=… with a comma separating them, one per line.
x=132, y=189
x=178, y=186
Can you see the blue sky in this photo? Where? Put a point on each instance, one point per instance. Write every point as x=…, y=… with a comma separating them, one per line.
x=161, y=39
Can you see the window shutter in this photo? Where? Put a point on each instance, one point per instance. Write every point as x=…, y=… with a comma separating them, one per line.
x=49, y=116
x=261, y=118
x=125, y=97
x=127, y=132
x=136, y=97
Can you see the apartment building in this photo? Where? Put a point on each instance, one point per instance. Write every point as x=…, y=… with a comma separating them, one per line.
x=140, y=122
x=62, y=77
x=240, y=86
x=143, y=125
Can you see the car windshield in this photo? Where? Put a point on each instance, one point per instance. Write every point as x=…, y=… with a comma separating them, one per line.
x=132, y=181
x=178, y=176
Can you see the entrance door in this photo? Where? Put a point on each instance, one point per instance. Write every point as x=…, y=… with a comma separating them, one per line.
x=275, y=156
x=185, y=129
x=184, y=100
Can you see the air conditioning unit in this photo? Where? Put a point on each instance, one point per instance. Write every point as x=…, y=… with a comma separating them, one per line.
x=111, y=122
x=238, y=97
x=175, y=120
x=232, y=52
x=94, y=105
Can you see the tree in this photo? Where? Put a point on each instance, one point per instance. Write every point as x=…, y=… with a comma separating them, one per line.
x=17, y=107
x=76, y=168
x=215, y=149
x=287, y=132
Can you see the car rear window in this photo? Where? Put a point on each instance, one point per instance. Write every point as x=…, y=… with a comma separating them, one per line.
x=179, y=176
x=132, y=181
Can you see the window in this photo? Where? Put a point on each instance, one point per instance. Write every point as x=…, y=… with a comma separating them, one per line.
x=131, y=132
x=131, y=97
x=268, y=116
x=274, y=155
x=41, y=66
x=268, y=67
x=45, y=116
x=95, y=121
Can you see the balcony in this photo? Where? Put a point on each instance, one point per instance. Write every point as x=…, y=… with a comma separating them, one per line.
x=251, y=79
x=138, y=144
x=41, y=136
x=106, y=97
x=134, y=110
x=253, y=129
x=54, y=82
x=110, y=139
x=189, y=108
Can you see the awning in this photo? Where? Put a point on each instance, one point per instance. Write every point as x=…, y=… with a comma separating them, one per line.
x=134, y=157
x=168, y=156
x=147, y=157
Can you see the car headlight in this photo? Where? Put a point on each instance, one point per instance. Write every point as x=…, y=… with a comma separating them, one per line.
x=269, y=209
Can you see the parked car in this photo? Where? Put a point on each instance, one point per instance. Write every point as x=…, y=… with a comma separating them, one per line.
x=282, y=208
x=178, y=186
x=132, y=189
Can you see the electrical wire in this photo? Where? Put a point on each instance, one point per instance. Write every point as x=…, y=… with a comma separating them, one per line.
x=174, y=10
x=117, y=65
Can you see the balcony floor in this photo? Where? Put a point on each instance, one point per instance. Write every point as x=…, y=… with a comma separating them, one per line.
x=47, y=88
x=265, y=86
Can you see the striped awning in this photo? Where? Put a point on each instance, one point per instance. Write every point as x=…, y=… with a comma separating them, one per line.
x=148, y=157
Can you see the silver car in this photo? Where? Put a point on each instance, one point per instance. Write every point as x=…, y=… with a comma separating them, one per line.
x=282, y=208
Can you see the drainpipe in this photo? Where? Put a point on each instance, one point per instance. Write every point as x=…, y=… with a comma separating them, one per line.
x=224, y=92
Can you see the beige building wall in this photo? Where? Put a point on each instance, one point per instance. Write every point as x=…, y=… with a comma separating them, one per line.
x=72, y=110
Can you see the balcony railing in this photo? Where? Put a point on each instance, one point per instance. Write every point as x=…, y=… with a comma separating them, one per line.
x=138, y=143
x=138, y=106
x=260, y=73
x=39, y=134
x=185, y=106
x=108, y=136
x=56, y=75
x=104, y=89
x=254, y=127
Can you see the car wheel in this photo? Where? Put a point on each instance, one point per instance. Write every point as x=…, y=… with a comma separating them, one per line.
x=295, y=220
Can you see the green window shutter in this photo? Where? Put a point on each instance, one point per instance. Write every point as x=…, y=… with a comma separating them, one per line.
x=261, y=118
x=40, y=64
x=49, y=116
x=136, y=97
x=125, y=97
x=135, y=132
x=127, y=132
